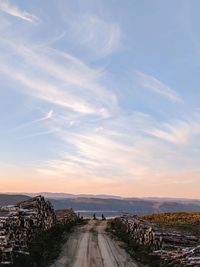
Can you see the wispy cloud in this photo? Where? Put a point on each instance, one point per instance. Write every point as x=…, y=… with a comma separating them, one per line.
x=177, y=134
x=74, y=85
x=97, y=156
x=66, y=68
x=180, y=132
x=151, y=83
x=47, y=116
x=36, y=134
x=12, y=10
x=113, y=41
x=102, y=37
x=105, y=152
x=124, y=148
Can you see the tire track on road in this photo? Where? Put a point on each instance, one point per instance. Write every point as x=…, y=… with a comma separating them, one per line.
x=91, y=246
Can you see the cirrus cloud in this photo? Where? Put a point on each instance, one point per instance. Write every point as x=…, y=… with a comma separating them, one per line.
x=12, y=10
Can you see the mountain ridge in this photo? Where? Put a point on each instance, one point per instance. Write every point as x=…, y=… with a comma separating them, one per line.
x=61, y=195
x=111, y=205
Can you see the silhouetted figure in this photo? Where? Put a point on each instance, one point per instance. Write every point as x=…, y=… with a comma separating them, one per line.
x=103, y=217
x=94, y=216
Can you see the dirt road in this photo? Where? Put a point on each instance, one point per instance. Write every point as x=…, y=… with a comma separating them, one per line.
x=91, y=246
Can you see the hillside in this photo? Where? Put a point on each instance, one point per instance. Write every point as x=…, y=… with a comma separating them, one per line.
x=66, y=195
x=8, y=199
x=184, y=221
x=117, y=206
x=112, y=206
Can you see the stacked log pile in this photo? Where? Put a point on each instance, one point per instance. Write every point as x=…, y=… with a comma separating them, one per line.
x=172, y=246
x=19, y=225
x=66, y=216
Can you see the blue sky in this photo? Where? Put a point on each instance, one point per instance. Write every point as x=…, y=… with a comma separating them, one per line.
x=100, y=97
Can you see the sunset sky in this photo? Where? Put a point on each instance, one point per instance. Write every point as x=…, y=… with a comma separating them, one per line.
x=100, y=97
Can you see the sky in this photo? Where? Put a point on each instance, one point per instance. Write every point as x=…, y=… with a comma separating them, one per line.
x=100, y=96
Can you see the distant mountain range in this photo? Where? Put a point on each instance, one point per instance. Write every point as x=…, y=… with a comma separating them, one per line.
x=110, y=205
x=65, y=195
x=117, y=206
x=8, y=199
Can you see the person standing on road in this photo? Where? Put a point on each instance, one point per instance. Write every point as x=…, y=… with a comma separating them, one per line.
x=103, y=217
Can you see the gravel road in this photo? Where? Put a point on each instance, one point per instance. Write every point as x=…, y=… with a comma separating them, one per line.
x=91, y=246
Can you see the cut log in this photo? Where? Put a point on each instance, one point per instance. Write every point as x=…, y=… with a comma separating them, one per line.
x=21, y=223
x=175, y=247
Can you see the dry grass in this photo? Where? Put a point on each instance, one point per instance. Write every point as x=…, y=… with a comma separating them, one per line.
x=188, y=222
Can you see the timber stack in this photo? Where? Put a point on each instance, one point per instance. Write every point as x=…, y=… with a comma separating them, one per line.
x=66, y=216
x=20, y=224
x=173, y=247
